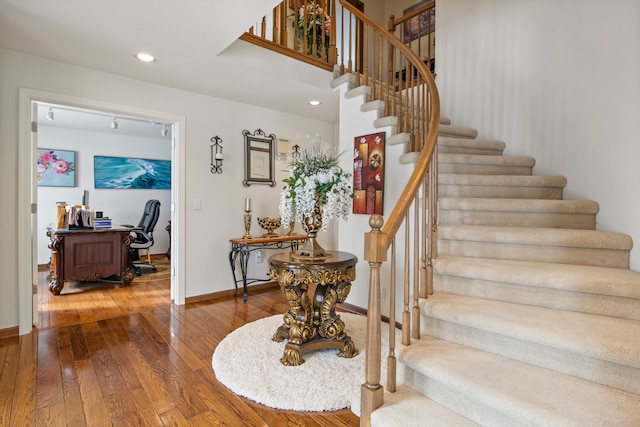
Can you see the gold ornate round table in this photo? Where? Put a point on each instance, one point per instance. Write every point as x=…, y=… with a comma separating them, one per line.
x=310, y=325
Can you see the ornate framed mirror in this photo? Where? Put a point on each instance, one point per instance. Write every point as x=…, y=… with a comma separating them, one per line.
x=259, y=158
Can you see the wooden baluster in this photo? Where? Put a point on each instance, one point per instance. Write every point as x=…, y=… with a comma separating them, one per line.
x=406, y=314
x=371, y=391
x=425, y=261
x=391, y=360
x=415, y=318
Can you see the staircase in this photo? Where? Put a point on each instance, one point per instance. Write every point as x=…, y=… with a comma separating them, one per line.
x=535, y=316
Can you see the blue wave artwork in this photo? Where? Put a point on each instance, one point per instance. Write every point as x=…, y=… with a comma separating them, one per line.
x=127, y=172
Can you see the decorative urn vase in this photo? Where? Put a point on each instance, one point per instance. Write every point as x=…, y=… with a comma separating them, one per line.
x=316, y=191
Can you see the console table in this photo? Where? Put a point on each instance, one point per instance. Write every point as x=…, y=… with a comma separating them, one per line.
x=311, y=325
x=89, y=255
x=241, y=249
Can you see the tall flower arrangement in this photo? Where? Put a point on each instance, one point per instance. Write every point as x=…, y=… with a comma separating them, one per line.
x=316, y=174
x=314, y=28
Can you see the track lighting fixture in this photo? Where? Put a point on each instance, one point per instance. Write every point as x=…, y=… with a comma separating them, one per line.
x=50, y=114
x=163, y=132
x=114, y=123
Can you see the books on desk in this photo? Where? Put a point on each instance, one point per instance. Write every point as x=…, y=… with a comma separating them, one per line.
x=99, y=223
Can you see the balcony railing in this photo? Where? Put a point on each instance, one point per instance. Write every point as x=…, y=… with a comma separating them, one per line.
x=302, y=29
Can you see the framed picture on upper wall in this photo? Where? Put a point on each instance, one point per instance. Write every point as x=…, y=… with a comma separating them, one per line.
x=420, y=25
x=368, y=173
x=129, y=172
x=56, y=168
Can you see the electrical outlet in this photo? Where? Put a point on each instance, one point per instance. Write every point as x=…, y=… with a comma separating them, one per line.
x=258, y=257
x=196, y=204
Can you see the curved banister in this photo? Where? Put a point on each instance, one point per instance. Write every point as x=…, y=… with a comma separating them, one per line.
x=409, y=87
x=396, y=217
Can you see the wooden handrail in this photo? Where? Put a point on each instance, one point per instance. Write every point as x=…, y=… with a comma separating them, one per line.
x=398, y=76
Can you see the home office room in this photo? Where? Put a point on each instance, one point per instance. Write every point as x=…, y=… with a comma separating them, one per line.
x=107, y=166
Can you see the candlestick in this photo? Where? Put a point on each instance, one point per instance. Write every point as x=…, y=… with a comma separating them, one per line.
x=247, y=225
x=218, y=156
x=247, y=205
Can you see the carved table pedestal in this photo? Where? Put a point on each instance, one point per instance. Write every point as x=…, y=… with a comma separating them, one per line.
x=313, y=324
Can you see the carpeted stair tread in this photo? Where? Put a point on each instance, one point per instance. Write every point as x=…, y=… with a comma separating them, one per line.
x=502, y=180
x=457, y=131
x=480, y=144
x=589, y=239
x=520, y=205
x=399, y=138
x=619, y=282
x=345, y=79
x=475, y=159
x=600, y=337
x=516, y=393
x=491, y=211
x=376, y=105
x=501, y=186
x=408, y=408
x=388, y=121
x=364, y=91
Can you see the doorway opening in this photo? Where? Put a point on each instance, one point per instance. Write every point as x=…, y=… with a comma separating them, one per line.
x=64, y=107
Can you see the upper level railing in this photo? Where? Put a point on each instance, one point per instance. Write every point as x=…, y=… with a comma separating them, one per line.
x=303, y=29
x=395, y=73
x=417, y=29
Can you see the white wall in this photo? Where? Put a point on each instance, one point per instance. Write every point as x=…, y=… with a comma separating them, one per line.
x=122, y=206
x=209, y=229
x=354, y=123
x=557, y=80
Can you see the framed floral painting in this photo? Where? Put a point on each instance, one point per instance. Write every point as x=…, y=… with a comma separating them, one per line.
x=368, y=173
x=56, y=168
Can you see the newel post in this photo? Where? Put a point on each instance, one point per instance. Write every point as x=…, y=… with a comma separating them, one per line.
x=375, y=251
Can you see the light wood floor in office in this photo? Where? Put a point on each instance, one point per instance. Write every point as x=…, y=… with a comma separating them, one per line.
x=114, y=363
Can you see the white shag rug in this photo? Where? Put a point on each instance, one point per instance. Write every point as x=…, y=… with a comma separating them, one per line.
x=247, y=362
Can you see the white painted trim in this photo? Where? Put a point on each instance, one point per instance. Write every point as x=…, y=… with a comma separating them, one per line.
x=25, y=181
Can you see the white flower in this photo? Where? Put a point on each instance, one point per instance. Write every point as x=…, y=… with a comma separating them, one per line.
x=316, y=173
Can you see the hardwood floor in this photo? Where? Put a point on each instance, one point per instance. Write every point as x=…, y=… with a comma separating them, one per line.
x=81, y=302
x=151, y=367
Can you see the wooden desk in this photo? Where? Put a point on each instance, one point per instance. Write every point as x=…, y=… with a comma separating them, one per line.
x=89, y=255
x=241, y=249
x=313, y=325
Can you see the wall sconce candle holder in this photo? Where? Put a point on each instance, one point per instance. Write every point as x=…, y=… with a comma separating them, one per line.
x=216, y=155
x=295, y=152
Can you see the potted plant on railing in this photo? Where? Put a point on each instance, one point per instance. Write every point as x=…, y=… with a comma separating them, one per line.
x=314, y=29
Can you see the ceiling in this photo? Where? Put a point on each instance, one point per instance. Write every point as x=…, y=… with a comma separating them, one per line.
x=195, y=43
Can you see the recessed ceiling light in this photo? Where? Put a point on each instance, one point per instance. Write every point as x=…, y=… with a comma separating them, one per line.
x=145, y=57
x=314, y=102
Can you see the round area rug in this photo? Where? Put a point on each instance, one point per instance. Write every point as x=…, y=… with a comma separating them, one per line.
x=247, y=362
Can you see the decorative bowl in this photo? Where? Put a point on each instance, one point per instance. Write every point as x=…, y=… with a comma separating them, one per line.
x=270, y=224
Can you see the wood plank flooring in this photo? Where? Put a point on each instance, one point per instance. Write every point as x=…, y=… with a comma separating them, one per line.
x=149, y=367
x=80, y=302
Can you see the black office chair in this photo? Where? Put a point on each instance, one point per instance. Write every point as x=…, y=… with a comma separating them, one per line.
x=143, y=237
